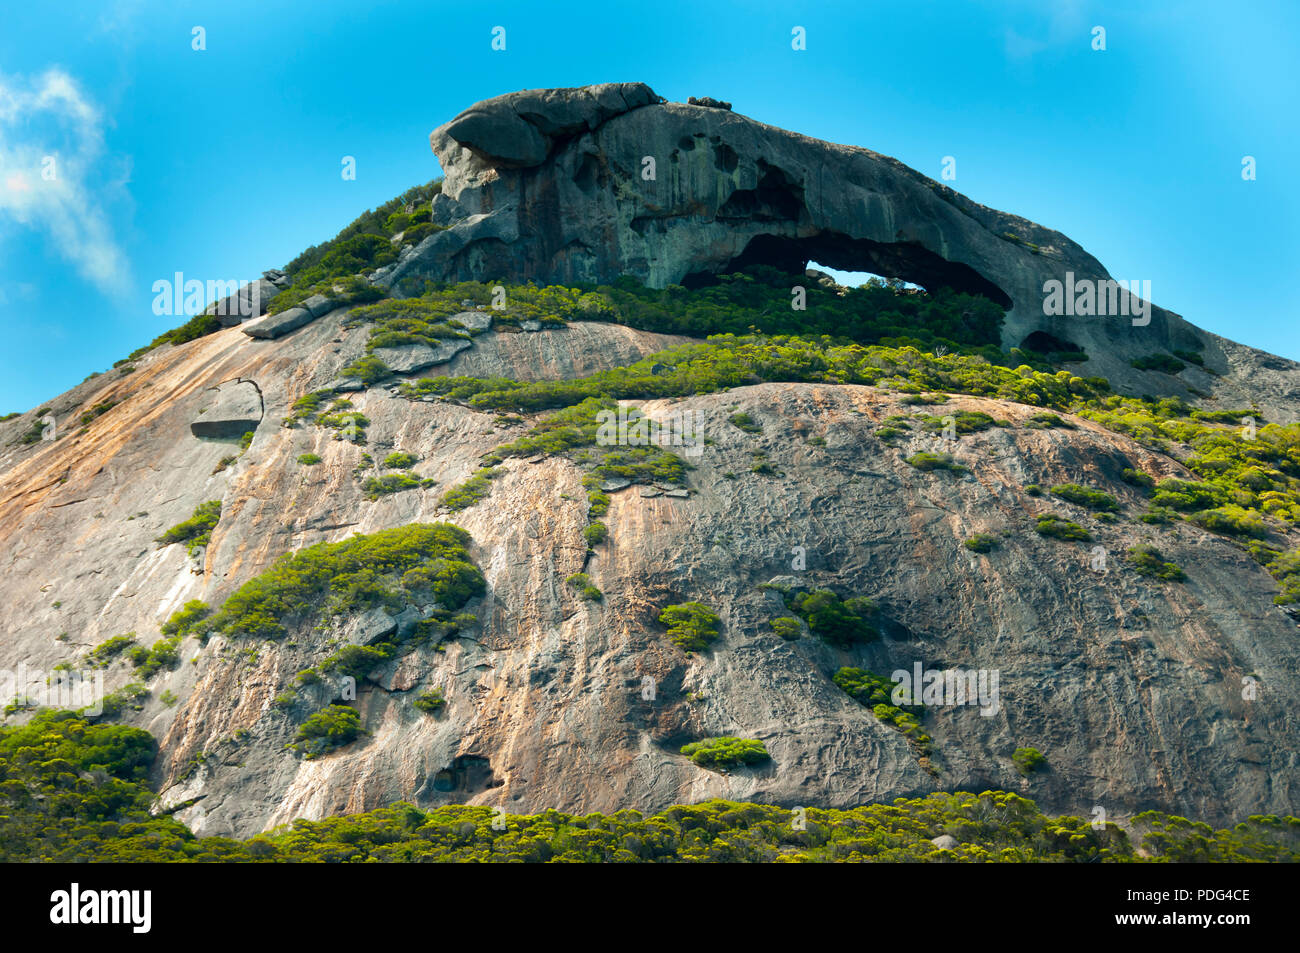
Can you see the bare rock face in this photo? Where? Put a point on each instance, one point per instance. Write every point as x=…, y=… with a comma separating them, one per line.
x=1131, y=687
x=587, y=184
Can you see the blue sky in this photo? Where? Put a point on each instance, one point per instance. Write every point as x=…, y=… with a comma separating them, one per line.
x=224, y=162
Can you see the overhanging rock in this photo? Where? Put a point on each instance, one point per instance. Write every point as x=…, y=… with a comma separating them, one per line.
x=587, y=184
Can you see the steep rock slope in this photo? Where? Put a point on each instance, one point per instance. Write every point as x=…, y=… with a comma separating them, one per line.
x=1132, y=687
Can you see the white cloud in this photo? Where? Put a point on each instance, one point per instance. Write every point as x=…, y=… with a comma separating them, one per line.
x=1063, y=24
x=45, y=118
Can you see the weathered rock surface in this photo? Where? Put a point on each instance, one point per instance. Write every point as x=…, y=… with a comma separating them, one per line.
x=548, y=185
x=416, y=357
x=1131, y=688
x=473, y=320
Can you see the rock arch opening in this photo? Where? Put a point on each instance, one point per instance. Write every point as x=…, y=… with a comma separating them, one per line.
x=904, y=260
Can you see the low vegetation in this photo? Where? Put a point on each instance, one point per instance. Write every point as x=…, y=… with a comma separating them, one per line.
x=981, y=543
x=330, y=728
x=726, y=752
x=691, y=625
x=1056, y=527
x=197, y=530
x=389, y=483
x=1148, y=561
x=1086, y=497
x=840, y=622
x=77, y=791
x=381, y=569
x=1028, y=760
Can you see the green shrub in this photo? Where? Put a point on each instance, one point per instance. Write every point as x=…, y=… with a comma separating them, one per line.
x=726, y=752
x=375, y=487
x=197, y=530
x=430, y=701
x=981, y=543
x=963, y=422
x=330, y=728
x=382, y=568
x=476, y=488
x=1028, y=760
x=1044, y=420
x=188, y=620
x=742, y=421
x=368, y=369
x=1058, y=528
x=309, y=459
x=1188, y=495
x=1231, y=520
x=595, y=533
x=1033, y=489
x=582, y=582
x=691, y=625
x=935, y=461
x=786, y=627
x=397, y=460
x=356, y=661
x=128, y=696
x=1166, y=363
x=1158, y=515
x=105, y=652
x=1148, y=561
x=165, y=653
x=1137, y=478
x=876, y=692
x=840, y=622
x=1087, y=497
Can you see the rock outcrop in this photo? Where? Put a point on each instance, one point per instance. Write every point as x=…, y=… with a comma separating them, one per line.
x=587, y=184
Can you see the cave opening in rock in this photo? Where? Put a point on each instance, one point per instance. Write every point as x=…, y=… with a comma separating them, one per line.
x=856, y=279
x=906, y=261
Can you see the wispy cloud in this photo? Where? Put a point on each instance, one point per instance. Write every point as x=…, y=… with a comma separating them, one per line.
x=1063, y=22
x=52, y=173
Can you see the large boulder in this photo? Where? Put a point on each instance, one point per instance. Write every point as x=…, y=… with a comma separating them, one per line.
x=278, y=325
x=519, y=129
x=232, y=409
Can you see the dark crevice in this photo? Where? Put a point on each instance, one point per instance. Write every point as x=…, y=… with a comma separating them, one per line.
x=905, y=260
